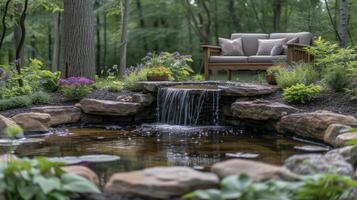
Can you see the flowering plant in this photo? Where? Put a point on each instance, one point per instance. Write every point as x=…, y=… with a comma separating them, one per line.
x=75, y=88
x=159, y=71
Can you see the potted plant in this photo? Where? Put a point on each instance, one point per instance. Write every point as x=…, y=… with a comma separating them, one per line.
x=272, y=72
x=158, y=74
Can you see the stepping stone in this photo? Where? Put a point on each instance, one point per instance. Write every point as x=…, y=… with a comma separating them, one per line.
x=105, y=107
x=60, y=114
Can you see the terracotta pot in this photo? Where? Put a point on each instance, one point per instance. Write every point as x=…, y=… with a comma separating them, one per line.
x=158, y=78
x=271, y=79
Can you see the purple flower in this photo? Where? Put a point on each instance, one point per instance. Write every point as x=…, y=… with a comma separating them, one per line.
x=75, y=81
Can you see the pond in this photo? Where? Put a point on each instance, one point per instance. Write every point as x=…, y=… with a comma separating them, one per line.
x=161, y=145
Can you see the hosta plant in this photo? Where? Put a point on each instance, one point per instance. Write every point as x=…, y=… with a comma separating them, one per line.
x=40, y=179
x=75, y=88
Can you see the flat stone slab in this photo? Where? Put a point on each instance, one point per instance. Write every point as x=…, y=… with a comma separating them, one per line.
x=227, y=88
x=341, y=140
x=33, y=121
x=4, y=123
x=105, y=107
x=161, y=182
x=258, y=171
x=60, y=114
x=313, y=124
x=261, y=110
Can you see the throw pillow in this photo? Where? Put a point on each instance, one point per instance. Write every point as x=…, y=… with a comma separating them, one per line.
x=291, y=41
x=276, y=50
x=231, y=47
x=266, y=45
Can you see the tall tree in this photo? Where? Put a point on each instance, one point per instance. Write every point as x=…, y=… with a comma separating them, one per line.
x=56, y=23
x=141, y=22
x=78, y=38
x=277, y=14
x=3, y=21
x=124, y=36
x=343, y=25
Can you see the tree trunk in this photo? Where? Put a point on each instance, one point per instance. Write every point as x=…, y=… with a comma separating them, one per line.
x=20, y=39
x=4, y=22
x=142, y=23
x=57, y=41
x=98, y=46
x=105, y=41
x=343, y=26
x=235, y=18
x=78, y=38
x=124, y=36
x=277, y=14
x=49, y=37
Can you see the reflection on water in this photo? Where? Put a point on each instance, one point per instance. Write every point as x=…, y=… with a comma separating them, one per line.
x=154, y=147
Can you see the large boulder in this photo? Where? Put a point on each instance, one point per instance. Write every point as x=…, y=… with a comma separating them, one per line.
x=85, y=172
x=333, y=131
x=105, y=107
x=246, y=89
x=5, y=122
x=349, y=153
x=318, y=163
x=261, y=110
x=313, y=124
x=258, y=171
x=160, y=182
x=341, y=140
x=33, y=121
x=60, y=114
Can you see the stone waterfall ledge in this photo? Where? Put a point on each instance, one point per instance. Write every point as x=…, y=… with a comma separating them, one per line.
x=112, y=108
x=227, y=88
x=60, y=114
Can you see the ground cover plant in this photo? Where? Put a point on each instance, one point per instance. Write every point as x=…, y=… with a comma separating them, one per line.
x=75, y=88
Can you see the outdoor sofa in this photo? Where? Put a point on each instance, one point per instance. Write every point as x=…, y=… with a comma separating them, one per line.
x=294, y=50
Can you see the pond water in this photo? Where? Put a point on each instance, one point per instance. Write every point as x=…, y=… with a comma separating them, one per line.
x=161, y=145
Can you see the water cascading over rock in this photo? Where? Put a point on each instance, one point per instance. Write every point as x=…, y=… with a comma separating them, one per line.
x=188, y=106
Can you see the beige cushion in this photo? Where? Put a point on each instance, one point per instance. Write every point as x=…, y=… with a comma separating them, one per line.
x=231, y=47
x=304, y=37
x=291, y=41
x=266, y=59
x=266, y=45
x=228, y=59
x=250, y=41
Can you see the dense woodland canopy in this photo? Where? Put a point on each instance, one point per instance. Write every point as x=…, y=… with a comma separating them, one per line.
x=161, y=25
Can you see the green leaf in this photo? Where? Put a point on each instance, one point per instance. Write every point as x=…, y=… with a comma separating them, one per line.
x=78, y=184
x=47, y=184
x=27, y=192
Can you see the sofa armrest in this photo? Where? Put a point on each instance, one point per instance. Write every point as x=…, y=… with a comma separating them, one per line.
x=298, y=53
x=209, y=50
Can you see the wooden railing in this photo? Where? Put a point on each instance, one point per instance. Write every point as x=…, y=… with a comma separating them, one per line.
x=298, y=53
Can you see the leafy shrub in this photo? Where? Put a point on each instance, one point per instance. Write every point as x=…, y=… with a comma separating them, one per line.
x=274, y=70
x=302, y=73
x=353, y=92
x=39, y=178
x=301, y=93
x=13, y=131
x=320, y=186
x=339, y=77
x=41, y=98
x=133, y=77
x=15, y=102
x=178, y=64
x=198, y=77
x=17, y=91
x=75, y=88
x=111, y=83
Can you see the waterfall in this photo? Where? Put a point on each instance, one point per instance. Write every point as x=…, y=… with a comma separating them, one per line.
x=184, y=106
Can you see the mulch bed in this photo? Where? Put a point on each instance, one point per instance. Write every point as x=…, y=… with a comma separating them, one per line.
x=327, y=100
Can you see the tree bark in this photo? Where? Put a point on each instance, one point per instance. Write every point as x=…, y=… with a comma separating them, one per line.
x=235, y=18
x=21, y=41
x=343, y=25
x=124, y=36
x=105, y=42
x=4, y=22
x=56, y=53
x=78, y=38
x=49, y=37
x=277, y=15
x=98, y=45
x=332, y=21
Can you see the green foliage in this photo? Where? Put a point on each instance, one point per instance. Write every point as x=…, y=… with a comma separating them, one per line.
x=16, y=91
x=301, y=93
x=274, y=70
x=320, y=186
x=134, y=77
x=111, y=83
x=339, y=77
x=15, y=102
x=353, y=92
x=178, y=64
x=302, y=73
x=41, y=98
x=13, y=131
x=40, y=179
x=198, y=77
x=76, y=93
